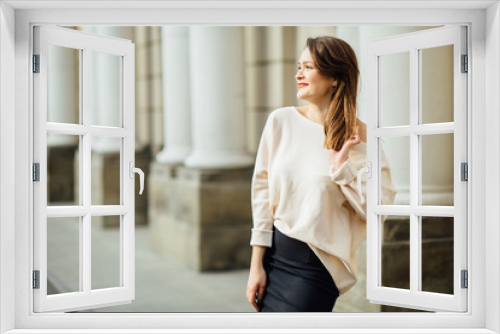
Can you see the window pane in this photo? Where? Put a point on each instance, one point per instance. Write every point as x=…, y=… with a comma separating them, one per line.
x=105, y=170
x=397, y=150
x=437, y=254
x=437, y=186
x=106, y=89
x=63, y=84
x=395, y=77
x=63, y=255
x=396, y=252
x=62, y=170
x=105, y=257
x=437, y=84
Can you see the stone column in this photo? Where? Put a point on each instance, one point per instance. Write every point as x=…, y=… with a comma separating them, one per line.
x=164, y=185
x=218, y=118
x=200, y=211
x=177, y=95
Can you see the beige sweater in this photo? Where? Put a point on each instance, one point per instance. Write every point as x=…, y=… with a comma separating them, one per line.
x=295, y=188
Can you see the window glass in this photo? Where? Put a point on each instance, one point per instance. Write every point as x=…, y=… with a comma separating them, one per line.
x=63, y=180
x=397, y=150
x=437, y=254
x=437, y=84
x=394, y=89
x=106, y=89
x=63, y=255
x=396, y=252
x=63, y=84
x=437, y=184
x=105, y=249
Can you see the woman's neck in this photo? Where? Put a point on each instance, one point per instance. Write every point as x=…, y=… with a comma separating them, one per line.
x=317, y=112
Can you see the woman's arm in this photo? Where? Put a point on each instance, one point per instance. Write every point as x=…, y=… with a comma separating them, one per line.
x=257, y=278
x=262, y=232
x=346, y=178
x=344, y=173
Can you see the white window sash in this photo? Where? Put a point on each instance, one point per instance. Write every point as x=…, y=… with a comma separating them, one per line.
x=414, y=297
x=86, y=297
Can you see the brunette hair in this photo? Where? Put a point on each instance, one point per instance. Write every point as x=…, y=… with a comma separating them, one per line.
x=336, y=59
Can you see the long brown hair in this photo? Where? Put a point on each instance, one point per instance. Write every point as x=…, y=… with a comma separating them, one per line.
x=336, y=59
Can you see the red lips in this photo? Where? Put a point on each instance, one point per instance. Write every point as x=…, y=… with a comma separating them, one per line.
x=301, y=84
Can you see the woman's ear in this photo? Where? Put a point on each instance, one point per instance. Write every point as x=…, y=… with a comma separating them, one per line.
x=334, y=83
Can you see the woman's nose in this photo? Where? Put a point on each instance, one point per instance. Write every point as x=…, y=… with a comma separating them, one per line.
x=298, y=76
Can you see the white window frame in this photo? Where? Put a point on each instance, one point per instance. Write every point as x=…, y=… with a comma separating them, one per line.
x=413, y=44
x=85, y=43
x=483, y=211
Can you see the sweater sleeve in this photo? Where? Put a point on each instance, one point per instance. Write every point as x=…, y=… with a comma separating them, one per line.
x=262, y=231
x=346, y=178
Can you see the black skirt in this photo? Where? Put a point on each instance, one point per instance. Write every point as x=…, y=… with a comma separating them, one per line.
x=297, y=281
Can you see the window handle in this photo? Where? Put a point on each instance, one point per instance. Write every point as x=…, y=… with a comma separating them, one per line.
x=138, y=171
x=367, y=170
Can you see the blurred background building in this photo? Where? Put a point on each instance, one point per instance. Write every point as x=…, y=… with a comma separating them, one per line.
x=203, y=95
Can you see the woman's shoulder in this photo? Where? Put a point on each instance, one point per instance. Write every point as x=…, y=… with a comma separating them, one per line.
x=280, y=115
x=281, y=112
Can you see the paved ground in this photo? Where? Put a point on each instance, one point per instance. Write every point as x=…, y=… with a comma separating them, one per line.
x=163, y=284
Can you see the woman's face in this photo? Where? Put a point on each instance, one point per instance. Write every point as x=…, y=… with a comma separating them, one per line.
x=312, y=85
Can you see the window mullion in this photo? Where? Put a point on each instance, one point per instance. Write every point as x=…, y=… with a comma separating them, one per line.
x=418, y=134
x=85, y=165
x=83, y=285
x=414, y=171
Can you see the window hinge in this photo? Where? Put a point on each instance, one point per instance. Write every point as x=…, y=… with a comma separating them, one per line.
x=465, y=171
x=36, y=279
x=36, y=63
x=36, y=172
x=465, y=279
x=465, y=64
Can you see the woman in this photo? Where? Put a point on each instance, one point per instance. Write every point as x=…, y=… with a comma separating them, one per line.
x=308, y=218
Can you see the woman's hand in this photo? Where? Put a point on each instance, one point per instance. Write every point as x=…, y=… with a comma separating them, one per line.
x=339, y=157
x=256, y=283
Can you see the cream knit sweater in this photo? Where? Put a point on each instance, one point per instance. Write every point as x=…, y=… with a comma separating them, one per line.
x=295, y=188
